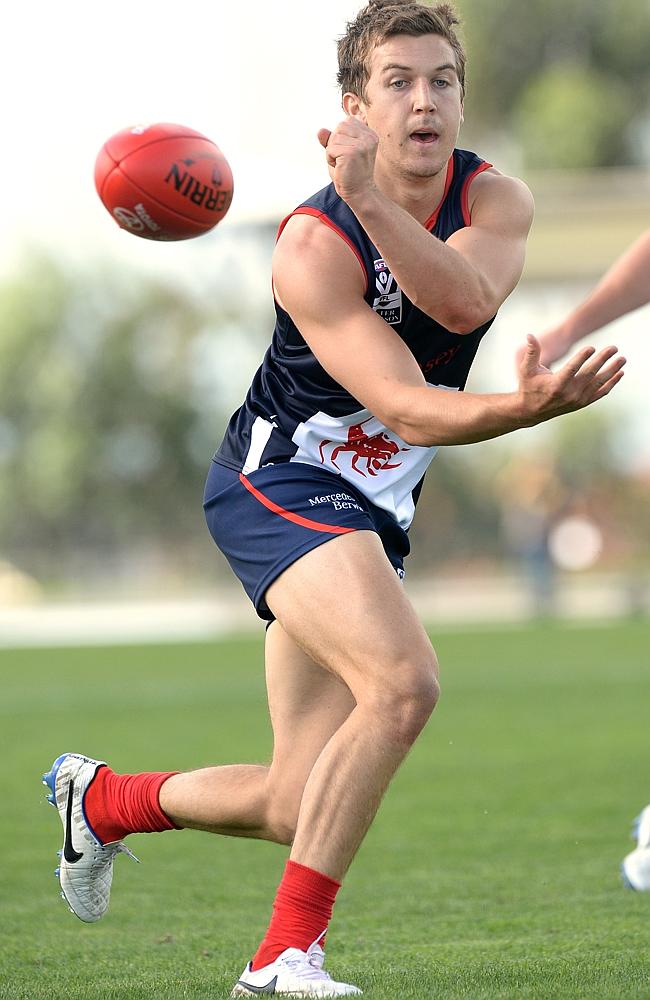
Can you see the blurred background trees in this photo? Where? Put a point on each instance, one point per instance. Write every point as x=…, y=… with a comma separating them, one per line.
x=115, y=387
x=567, y=82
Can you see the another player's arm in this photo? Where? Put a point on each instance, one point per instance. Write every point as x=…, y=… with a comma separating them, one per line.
x=460, y=283
x=624, y=288
x=319, y=282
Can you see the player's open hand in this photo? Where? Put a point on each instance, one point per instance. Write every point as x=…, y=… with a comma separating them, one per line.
x=586, y=377
x=351, y=150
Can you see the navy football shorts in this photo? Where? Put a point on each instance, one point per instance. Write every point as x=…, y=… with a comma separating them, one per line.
x=264, y=521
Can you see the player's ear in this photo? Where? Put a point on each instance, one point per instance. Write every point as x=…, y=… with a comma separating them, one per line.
x=354, y=107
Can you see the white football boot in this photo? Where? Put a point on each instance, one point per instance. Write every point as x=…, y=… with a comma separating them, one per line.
x=294, y=973
x=635, y=868
x=86, y=870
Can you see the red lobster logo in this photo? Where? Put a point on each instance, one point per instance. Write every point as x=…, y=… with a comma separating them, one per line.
x=374, y=451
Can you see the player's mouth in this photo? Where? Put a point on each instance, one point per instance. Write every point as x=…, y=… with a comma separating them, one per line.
x=424, y=137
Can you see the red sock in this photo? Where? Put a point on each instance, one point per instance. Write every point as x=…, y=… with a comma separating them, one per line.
x=118, y=804
x=301, y=912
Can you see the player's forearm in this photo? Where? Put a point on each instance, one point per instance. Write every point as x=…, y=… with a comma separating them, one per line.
x=429, y=416
x=426, y=416
x=625, y=287
x=434, y=276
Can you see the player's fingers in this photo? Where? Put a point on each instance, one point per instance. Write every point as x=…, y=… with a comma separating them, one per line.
x=609, y=385
x=597, y=362
x=354, y=133
x=606, y=377
x=338, y=145
x=324, y=136
x=347, y=127
x=349, y=140
x=610, y=370
x=575, y=363
x=530, y=356
x=357, y=126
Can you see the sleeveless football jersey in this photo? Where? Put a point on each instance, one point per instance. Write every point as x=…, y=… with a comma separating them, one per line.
x=295, y=412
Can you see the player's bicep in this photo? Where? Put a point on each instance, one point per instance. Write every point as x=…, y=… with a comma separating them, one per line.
x=319, y=282
x=495, y=242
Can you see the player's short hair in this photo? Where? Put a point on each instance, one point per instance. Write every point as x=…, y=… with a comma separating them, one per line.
x=381, y=20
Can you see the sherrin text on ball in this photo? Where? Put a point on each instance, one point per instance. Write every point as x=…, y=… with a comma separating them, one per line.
x=163, y=182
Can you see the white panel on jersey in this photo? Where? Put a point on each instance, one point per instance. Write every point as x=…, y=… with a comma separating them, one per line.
x=360, y=449
x=260, y=433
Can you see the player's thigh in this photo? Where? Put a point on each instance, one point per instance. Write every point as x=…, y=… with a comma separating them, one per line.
x=345, y=606
x=307, y=705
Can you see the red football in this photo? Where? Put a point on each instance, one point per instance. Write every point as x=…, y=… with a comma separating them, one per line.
x=163, y=182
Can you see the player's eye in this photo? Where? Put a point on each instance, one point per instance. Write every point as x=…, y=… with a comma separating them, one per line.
x=441, y=84
x=398, y=84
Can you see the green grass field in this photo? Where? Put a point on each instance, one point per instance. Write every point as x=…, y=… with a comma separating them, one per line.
x=491, y=871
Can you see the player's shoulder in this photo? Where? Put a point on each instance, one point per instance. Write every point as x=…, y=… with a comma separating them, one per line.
x=305, y=235
x=313, y=252
x=305, y=223
x=494, y=189
x=321, y=230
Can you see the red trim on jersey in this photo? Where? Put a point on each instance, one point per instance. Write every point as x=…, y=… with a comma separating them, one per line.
x=433, y=218
x=464, y=195
x=304, y=522
x=317, y=214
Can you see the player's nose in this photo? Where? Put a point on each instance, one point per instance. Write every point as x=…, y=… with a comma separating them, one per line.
x=423, y=96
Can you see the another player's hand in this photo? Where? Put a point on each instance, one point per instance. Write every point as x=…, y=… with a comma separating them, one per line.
x=351, y=151
x=554, y=344
x=586, y=377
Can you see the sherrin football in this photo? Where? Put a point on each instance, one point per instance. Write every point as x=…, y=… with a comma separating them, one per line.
x=163, y=182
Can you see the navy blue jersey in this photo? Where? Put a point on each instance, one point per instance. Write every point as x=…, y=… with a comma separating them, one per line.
x=295, y=412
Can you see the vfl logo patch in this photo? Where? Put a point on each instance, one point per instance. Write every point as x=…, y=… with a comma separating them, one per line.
x=388, y=302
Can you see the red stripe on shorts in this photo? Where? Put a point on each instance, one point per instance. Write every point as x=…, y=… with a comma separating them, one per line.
x=330, y=529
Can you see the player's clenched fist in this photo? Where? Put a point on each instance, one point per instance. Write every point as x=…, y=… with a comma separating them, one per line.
x=351, y=151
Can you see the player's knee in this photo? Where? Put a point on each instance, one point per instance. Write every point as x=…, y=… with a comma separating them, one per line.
x=408, y=699
x=282, y=816
x=414, y=705
x=283, y=829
